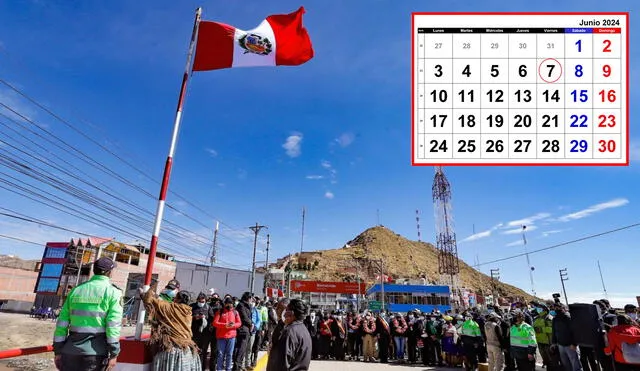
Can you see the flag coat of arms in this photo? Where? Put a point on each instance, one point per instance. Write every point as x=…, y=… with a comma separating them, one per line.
x=280, y=40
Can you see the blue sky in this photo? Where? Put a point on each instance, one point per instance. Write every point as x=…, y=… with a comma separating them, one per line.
x=258, y=144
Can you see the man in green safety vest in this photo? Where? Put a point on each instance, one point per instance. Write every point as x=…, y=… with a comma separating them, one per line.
x=523, y=343
x=87, y=334
x=542, y=326
x=471, y=337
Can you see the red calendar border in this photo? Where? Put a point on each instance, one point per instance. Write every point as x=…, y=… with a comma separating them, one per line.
x=413, y=143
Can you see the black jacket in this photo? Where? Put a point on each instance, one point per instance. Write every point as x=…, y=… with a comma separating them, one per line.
x=244, y=310
x=562, y=333
x=293, y=350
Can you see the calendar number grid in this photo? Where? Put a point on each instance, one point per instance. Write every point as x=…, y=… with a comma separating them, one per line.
x=544, y=94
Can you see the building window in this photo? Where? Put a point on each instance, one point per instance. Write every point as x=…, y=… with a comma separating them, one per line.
x=51, y=270
x=48, y=285
x=55, y=253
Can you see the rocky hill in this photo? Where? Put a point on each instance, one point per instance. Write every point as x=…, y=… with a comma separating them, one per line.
x=11, y=261
x=402, y=259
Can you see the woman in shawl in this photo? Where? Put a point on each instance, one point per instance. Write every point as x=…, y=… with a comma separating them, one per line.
x=172, y=345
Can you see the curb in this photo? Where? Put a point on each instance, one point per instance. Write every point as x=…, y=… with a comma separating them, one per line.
x=261, y=365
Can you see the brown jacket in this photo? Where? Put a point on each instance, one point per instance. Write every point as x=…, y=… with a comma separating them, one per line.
x=174, y=324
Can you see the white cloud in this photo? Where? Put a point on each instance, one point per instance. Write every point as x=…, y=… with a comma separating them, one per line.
x=528, y=220
x=548, y=233
x=519, y=230
x=329, y=195
x=345, y=139
x=326, y=164
x=478, y=236
x=483, y=234
x=618, y=202
x=292, y=145
x=315, y=177
x=515, y=243
x=212, y=152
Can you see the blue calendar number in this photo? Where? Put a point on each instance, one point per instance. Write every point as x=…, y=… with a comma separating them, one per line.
x=579, y=44
x=574, y=121
x=582, y=94
x=579, y=72
x=579, y=146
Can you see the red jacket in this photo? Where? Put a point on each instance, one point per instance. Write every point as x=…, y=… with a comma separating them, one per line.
x=622, y=334
x=220, y=321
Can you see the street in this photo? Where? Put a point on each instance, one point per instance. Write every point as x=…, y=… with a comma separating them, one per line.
x=373, y=366
x=363, y=366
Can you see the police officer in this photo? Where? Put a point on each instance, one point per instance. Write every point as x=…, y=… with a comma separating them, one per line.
x=87, y=334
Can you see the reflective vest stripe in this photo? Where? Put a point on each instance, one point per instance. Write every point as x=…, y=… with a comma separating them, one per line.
x=87, y=313
x=87, y=330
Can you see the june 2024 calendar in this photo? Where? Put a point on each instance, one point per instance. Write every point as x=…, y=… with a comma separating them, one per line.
x=520, y=89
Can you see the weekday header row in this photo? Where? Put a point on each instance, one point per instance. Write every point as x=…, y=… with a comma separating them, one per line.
x=519, y=30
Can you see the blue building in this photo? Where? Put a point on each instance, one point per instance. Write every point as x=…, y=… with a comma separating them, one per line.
x=403, y=298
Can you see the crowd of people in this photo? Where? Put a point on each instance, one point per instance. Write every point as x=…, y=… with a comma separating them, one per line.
x=227, y=333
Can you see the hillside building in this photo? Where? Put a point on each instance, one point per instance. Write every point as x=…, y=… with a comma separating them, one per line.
x=64, y=265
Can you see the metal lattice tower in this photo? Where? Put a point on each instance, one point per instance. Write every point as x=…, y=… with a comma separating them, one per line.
x=448, y=263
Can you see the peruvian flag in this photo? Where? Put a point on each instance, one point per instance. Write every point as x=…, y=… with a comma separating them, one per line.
x=280, y=40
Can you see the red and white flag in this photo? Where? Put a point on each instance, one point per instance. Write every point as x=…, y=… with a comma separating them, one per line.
x=280, y=40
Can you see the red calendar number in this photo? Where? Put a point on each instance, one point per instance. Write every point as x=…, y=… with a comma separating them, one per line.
x=607, y=46
x=607, y=146
x=607, y=121
x=606, y=70
x=609, y=96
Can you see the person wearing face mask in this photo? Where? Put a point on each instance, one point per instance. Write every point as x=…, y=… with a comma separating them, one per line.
x=369, y=337
x=471, y=337
x=325, y=350
x=226, y=322
x=170, y=291
x=244, y=332
x=564, y=339
x=312, y=323
x=249, y=361
x=523, y=343
x=399, y=329
x=339, y=336
x=384, y=337
x=631, y=311
x=292, y=352
x=199, y=326
x=172, y=345
x=544, y=330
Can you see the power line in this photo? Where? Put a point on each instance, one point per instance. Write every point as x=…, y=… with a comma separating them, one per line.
x=588, y=237
x=19, y=239
x=182, y=233
x=88, y=137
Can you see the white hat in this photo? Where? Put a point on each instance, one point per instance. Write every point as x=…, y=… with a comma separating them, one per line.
x=212, y=291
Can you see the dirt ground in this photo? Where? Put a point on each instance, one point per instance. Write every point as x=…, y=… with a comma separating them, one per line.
x=22, y=331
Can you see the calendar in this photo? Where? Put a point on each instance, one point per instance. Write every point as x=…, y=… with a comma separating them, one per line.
x=520, y=89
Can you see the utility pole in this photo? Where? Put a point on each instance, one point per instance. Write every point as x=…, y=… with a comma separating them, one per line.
x=266, y=266
x=564, y=277
x=606, y=296
x=524, y=241
x=214, y=247
x=302, y=235
x=79, y=263
x=256, y=229
x=495, y=276
x=418, y=223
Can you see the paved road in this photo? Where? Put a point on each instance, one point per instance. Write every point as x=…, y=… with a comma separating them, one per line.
x=372, y=366
x=362, y=366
